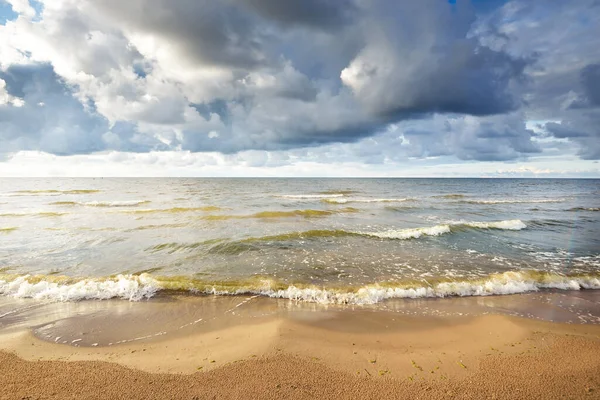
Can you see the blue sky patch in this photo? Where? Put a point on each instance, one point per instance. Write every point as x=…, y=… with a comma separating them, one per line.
x=6, y=13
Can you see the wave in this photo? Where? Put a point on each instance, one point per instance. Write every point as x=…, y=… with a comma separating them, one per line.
x=311, y=196
x=42, y=192
x=513, y=201
x=45, y=214
x=414, y=233
x=399, y=208
x=584, y=209
x=126, y=203
x=145, y=286
x=553, y=223
x=512, y=225
x=356, y=200
x=450, y=196
x=339, y=192
x=401, y=234
x=132, y=288
x=163, y=226
x=278, y=214
x=437, y=230
x=8, y=229
x=260, y=215
x=222, y=246
x=176, y=210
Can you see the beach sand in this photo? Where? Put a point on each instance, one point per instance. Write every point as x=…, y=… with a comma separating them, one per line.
x=253, y=351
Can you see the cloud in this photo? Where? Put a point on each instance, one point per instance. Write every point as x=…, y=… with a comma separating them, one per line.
x=495, y=138
x=420, y=59
x=581, y=116
x=564, y=82
x=590, y=82
x=370, y=81
x=50, y=118
x=320, y=14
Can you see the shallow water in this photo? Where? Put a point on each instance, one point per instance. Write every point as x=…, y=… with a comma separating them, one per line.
x=114, y=322
x=357, y=241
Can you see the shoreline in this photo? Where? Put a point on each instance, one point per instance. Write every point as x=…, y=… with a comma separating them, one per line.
x=254, y=348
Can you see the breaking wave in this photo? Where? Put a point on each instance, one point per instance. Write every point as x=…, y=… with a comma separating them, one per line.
x=222, y=246
x=437, y=230
x=513, y=201
x=584, y=209
x=144, y=286
x=356, y=200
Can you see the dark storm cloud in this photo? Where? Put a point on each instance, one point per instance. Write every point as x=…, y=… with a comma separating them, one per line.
x=321, y=14
x=580, y=121
x=473, y=81
x=422, y=60
x=581, y=127
x=590, y=80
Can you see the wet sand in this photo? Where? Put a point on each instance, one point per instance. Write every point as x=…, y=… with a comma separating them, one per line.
x=260, y=348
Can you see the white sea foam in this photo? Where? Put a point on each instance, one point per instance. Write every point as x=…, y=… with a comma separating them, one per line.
x=413, y=233
x=514, y=201
x=437, y=230
x=133, y=288
x=136, y=288
x=512, y=225
x=360, y=200
x=506, y=283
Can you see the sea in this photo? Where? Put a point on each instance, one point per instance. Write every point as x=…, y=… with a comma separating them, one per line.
x=328, y=241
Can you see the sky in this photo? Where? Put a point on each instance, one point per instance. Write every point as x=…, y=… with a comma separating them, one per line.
x=429, y=88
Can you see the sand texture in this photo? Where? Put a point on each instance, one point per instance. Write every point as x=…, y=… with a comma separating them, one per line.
x=347, y=355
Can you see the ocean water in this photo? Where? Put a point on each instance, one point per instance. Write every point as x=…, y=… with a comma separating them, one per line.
x=356, y=241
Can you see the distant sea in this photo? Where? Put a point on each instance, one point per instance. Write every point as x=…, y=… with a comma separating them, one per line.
x=355, y=241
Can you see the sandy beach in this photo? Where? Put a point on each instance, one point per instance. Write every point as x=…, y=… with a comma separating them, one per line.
x=252, y=351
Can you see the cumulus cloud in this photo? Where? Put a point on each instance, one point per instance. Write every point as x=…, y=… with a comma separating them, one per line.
x=368, y=80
